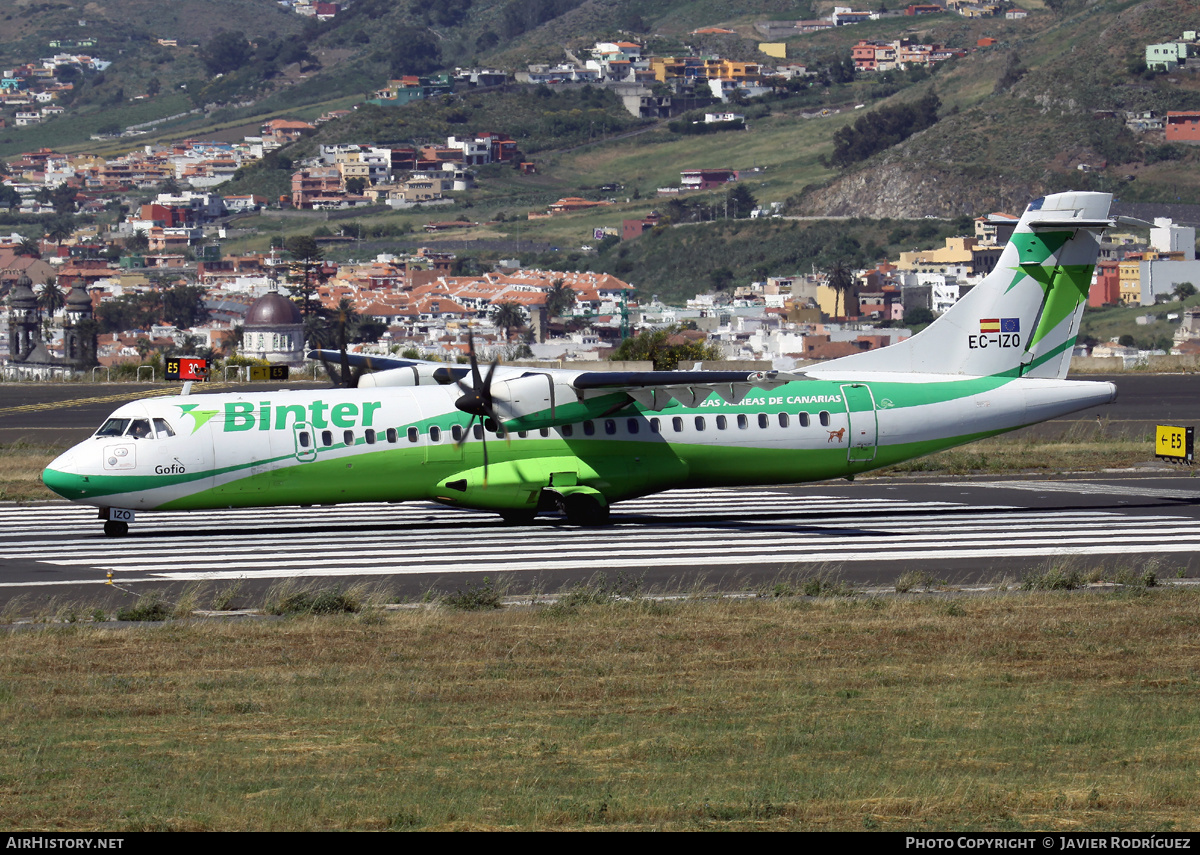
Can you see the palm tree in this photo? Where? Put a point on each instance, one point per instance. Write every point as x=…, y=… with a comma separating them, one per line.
x=29, y=247
x=61, y=228
x=560, y=299
x=51, y=298
x=841, y=280
x=138, y=242
x=508, y=316
x=346, y=318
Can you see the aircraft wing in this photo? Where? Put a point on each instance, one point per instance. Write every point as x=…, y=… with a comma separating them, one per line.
x=527, y=397
x=421, y=370
x=656, y=390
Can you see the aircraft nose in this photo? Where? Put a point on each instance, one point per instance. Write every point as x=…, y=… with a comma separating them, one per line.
x=63, y=477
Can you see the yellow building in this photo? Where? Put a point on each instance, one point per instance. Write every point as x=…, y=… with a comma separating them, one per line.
x=1130, y=274
x=956, y=251
x=666, y=68
x=775, y=49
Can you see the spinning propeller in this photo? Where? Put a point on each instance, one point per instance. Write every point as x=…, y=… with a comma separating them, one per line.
x=477, y=401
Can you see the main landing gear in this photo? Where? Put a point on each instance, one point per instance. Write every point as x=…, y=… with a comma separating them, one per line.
x=116, y=528
x=585, y=507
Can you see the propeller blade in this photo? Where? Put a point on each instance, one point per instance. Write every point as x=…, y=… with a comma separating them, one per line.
x=475, y=381
x=483, y=442
x=466, y=433
x=334, y=375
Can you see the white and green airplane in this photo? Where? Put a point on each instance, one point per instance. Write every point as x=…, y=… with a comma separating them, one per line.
x=521, y=441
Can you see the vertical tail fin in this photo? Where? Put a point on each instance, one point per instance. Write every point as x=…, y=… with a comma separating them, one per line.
x=1022, y=319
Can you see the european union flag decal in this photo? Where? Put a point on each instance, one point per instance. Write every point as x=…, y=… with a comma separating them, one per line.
x=1010, y=325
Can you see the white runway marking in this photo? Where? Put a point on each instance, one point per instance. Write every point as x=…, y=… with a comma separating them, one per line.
x=711, y=529
x=1081, y=488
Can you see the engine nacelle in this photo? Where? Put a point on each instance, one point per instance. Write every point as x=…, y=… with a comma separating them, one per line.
x=410, y=375
x=530, y=393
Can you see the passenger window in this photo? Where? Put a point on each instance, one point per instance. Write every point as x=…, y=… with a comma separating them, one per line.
x=348, y=438
x=589, y=428
x=764, y=420
x=162, y=428
x=802, y=418
x=303, y=438
x=654, y=427
x=113, y=427
x=677, y=424
x=326, y=438
x=435, y=434
x=783, y=419
x=477, y=431
x=722, y=423
x=743, y=422
x=567, y=430
x=521, y=433
x=457, y=433
x=543, y=431
x=610, y=426
x=632, y=424
x=824, y=418
x=699, y=422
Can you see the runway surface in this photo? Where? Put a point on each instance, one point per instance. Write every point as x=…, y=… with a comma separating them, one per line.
x=867, y=533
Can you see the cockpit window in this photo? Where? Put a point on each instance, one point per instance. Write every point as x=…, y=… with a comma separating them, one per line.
x=140, y=429
x=113, y=427
x=162, y=429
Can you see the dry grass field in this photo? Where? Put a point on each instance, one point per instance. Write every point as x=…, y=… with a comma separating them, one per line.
x=1042, y=710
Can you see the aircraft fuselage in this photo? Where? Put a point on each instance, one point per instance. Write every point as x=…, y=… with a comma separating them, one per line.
x=399, y=444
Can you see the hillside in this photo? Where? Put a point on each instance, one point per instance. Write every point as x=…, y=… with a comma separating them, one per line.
x=1014, y=119
x=1003, y=145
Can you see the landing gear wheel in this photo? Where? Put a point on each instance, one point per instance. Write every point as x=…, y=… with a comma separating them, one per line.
x=584, y=510
x=518, y=517
x=113, y=528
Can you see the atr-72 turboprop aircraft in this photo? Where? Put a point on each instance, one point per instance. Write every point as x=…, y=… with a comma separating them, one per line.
x=521, y=441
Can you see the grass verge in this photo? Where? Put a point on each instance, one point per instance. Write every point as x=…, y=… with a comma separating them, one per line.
x=1043, y=710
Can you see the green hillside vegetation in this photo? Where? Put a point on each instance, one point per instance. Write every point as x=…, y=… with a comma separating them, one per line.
x=1100, y=326
x=1012, y=121
x=1023, y=113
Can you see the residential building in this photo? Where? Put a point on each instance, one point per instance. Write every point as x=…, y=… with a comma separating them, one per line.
x=1183, y=126
x=706, y=179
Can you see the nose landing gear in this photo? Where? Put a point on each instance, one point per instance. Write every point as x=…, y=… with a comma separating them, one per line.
x=116, y=521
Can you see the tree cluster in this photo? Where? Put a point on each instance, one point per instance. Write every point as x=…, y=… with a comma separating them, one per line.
x=735, y=204
x=883, y=128
x=228, y=52
x=655, y=346
x=182, y=306
x=688, y=128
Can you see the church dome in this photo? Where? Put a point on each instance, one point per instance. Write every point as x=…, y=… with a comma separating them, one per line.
x=272, y=310
x=22, y=296
x=78, y=297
